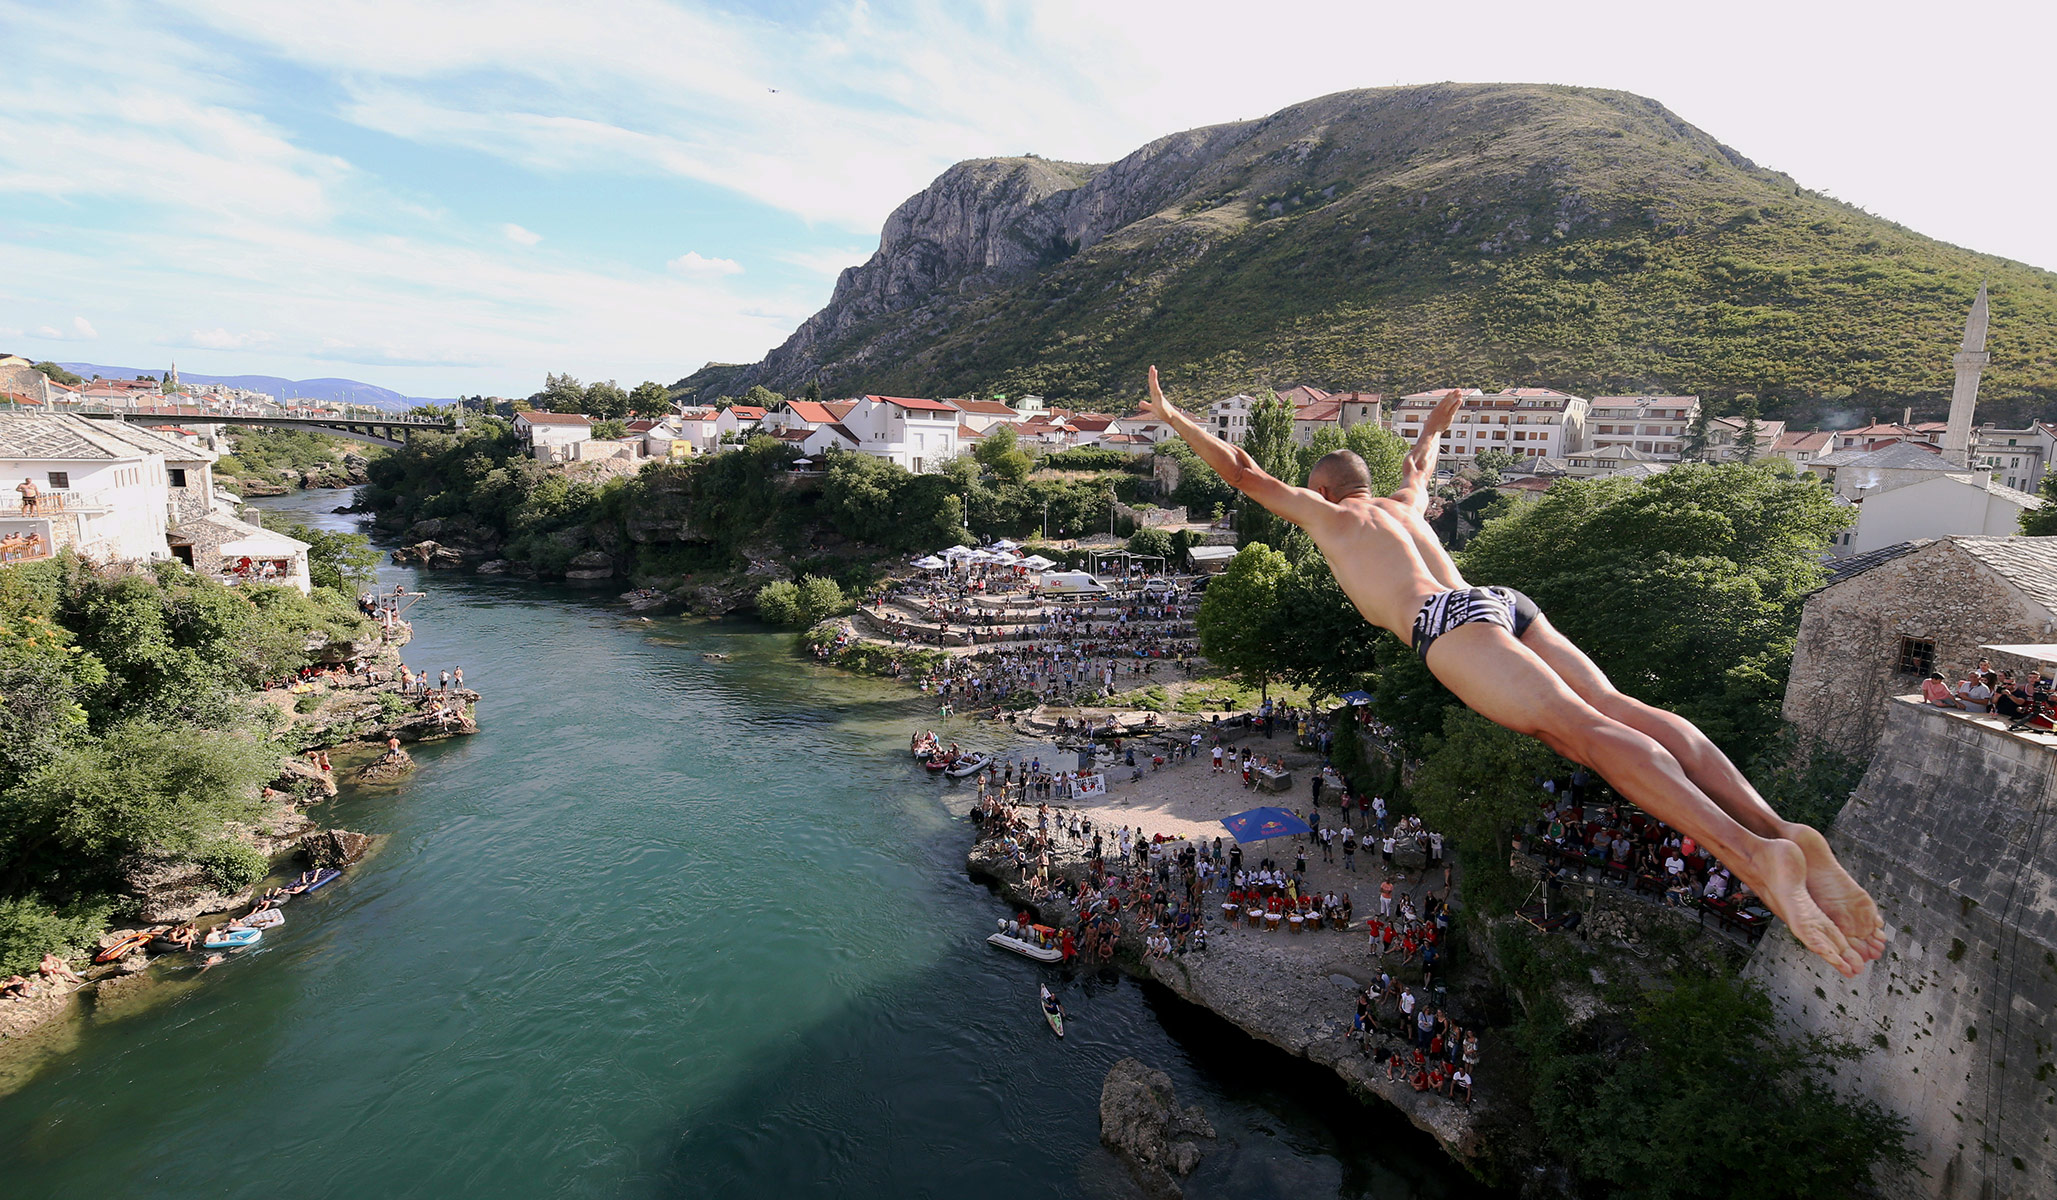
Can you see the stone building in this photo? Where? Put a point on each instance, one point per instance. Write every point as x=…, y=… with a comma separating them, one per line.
x=1887, y=618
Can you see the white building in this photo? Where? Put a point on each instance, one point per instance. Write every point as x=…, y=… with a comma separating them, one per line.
x=1725, y=439
x=1654, y=426
x=696, y=426
x=980, y=416
x=920, y=435
x=94, y=490
x=1525, y=422
x=1942, y=505
x=736, y=423
x=2016, y=457
x=1231, y=417
x=552, y=437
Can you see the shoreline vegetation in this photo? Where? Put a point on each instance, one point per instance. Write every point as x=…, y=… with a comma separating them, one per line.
x=166, y=734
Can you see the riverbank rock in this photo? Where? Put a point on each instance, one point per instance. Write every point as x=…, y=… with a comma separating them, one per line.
x=389, y=767
x=1140, y=1121
x=169, y=892
x=589, y=567
x=334, y=847
x=303, y=779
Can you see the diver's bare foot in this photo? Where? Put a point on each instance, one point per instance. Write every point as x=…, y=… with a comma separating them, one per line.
x=1837, y=894
x=1781, y=883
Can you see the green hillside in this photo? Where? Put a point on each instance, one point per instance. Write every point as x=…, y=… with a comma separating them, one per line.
x=1397, y=239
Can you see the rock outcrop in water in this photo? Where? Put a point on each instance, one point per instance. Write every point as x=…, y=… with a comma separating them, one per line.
x=1140, y=1121
x=334, y=847
x=390, y=767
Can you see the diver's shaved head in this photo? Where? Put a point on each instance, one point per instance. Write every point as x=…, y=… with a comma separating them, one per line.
x=1339, y=474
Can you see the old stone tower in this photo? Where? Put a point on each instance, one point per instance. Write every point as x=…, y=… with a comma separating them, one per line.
x=1971, y=358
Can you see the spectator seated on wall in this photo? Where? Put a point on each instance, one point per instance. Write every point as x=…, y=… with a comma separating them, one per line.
x=1976, y=693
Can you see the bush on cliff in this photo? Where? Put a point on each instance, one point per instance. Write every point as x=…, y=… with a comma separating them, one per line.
x=1701, y=1096
x=779, y=602
x=808, y=602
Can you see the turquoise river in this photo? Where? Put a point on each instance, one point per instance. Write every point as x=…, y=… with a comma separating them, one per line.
x=666, y=927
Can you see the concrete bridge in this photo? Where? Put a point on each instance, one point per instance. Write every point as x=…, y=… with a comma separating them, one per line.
x=377, y=431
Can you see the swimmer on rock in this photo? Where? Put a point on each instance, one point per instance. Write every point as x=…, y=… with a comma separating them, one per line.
x=1500, y=655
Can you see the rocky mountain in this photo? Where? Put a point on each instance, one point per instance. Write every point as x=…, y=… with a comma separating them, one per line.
x=1400, y=238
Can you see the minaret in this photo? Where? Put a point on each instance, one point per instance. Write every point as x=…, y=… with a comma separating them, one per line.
x=1970, y=360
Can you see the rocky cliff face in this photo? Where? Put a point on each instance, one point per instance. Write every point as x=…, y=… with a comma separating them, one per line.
x=1391, y=239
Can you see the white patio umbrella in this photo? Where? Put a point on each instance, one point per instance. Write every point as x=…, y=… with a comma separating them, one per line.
x=959, y=552
x=1036, y=562
x=1006, y=544
x=929, y=562
x=1002, y=556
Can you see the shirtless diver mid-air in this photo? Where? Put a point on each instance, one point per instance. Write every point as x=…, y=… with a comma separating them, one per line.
x=1500, y=655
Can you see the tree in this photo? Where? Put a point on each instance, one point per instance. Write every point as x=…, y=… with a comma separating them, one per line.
x=1703, y=569
x=610, y=429
x=1000, y=452
x=1492, y=465
x=762, y=397
x=779, y=602
x=1746, y=440
x=1240, y=615
x=342, y=561
x=1703, y=1097
x=650, y=399
x=2042, y=522
x=821, y=599
x=1151, y=541
x=59, y=374
x=606, y=401
x=1270, y=442
x=1695, y=445
x=561, y=393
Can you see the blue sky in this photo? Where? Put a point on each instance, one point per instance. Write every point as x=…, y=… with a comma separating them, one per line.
x=457, y=197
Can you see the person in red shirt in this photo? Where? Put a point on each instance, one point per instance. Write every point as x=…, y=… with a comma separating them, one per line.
x=1069, y=948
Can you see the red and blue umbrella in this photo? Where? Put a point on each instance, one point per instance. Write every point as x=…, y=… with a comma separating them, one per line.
x=1261, y=823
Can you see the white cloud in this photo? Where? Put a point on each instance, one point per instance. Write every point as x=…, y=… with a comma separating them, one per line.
x=690, y=263
x=80, y=330
x=222, y=339
x=830, y=262
x=520, y=236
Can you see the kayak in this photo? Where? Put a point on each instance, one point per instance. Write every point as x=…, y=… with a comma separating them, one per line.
x=312, y=880
x=1055, y=1017
x=232, y=939
x=134, y=939
x=270, y=918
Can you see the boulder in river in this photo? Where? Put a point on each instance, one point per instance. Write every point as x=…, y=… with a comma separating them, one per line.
x=389, y=767
x=334, y=847
x=1140, y=1121
x=301, y=778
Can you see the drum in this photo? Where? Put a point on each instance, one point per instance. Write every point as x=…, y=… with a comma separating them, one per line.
x=1255, y=917
x=1272, y=921
x=1296, y=922
x=1229, y=912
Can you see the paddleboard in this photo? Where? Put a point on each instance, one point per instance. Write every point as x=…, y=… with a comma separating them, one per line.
x=232, y=939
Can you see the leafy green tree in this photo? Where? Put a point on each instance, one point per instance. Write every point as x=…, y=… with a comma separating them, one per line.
x=1746, y=439
x=58, y=374
x=650, y=399
x=1203, y=492
x=344, y=562
x=612, y=428
x=1240, y=616
x=31, y=927
x=1702, y=568
x=1694, y=447
x=1477, y=781
x=2042, y=522
x=1322, y=640
x=1000, y=452
x=561, y=393
x=1151, y=541
x=821, y=599
x=779, y=602
x=1492, y=466
x=1270, y=442
x=762, y=397
x=605, y=401
x=1705, y=1098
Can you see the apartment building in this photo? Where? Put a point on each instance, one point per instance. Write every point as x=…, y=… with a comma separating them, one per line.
x=1526, y=422
x=1653, y=426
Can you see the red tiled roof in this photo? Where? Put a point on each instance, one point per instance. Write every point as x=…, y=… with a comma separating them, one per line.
x=814, y=412
x=747, y=412
x=1320, y=410
x=1091, y=422
x=642, y=426
x=911, y=403
x=991, y=408
x=966, y=431
x=844, y=431
x=839, y=409
x=1357, y=397
x=551, y=418
x=1804, y=439
x=793, y=435
x=1302, y=395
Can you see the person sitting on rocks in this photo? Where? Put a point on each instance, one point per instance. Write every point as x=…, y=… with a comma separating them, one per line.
x=54, y=967
x=15, y=987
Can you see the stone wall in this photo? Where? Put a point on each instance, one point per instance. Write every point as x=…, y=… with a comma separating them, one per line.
x=1151, y=518
x=1951, y=831
x=1847, y=657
